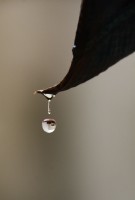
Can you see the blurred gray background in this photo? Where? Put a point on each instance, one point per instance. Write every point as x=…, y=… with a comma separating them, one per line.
x=91, y=155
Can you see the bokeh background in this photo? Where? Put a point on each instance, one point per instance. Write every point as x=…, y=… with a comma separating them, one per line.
x=91, y=155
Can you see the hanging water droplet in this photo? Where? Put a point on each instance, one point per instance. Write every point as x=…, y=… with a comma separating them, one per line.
x=49, y=125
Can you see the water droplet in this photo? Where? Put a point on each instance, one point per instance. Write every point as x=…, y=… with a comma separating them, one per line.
x=49, y=96
x=49, y=125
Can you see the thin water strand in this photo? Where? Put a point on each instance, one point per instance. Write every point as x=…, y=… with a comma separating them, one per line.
x=49, y=108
